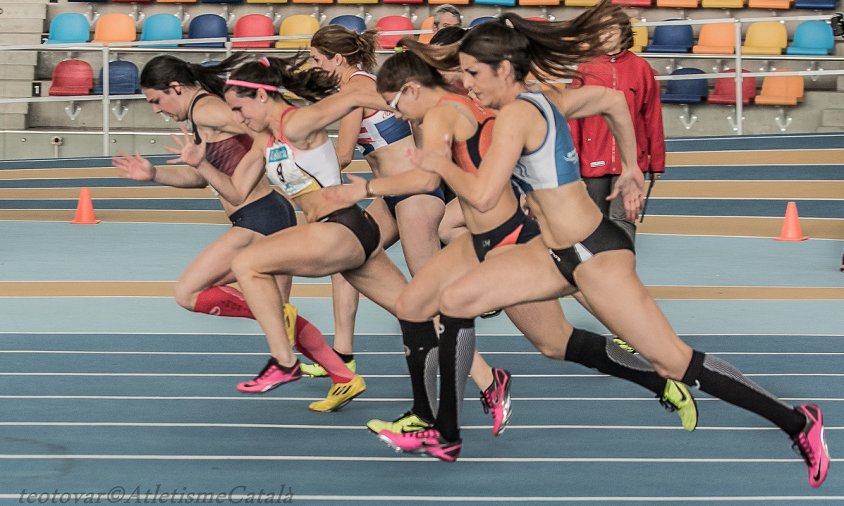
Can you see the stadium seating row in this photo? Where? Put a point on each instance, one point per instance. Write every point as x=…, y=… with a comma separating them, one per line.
x=776, y=90
x=69, y=28
x=683, y=4
x=75, y=78
x=763, y=37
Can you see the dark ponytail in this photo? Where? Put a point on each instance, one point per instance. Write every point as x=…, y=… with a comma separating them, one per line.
x=162, y=70
x=357, y=48
x=291, y=74
x=547, y=49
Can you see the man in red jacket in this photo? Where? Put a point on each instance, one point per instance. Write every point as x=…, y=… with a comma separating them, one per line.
x=600, y=163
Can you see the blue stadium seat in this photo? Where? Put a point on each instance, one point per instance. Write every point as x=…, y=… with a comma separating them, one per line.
x=502, y=3
x=812, y=38
x=671, y=39
x=349, y=21
x=162, y=27
x=123, y=79
x=687, y=91
x=817, y=5
x=69, y=27
x=481, y=20
x=207, y=26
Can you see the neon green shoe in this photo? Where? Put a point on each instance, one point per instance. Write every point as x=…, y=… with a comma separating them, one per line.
x=677, y=398
x=290, y=316
x=623, y=345
x=317, y=371
x=408, y=422
x=339, y=395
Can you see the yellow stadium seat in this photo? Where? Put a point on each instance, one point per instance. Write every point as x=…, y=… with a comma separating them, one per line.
x=765, y=37
x=640, y=37
x=722, y=4
x=114, y=27
x=298, y=24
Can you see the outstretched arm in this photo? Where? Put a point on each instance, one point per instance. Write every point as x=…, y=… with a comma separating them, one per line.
x=611, y=104
x=139, y=168
x=315, y=117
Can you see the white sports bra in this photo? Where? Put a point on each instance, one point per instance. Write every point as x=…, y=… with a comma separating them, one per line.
x=301, y=171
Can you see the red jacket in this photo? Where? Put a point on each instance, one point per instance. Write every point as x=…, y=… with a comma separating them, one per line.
x=592, y=137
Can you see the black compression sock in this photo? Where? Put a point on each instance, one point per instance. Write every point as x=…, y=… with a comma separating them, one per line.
x=720, y=379
x=600, y=353
x=457, y=348
x=420, y=349
x=345, y=357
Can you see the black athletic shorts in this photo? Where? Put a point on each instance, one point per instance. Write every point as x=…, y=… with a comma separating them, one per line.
x=361, y=224
x=607, y=237
x=519, y=229
x=267, y=215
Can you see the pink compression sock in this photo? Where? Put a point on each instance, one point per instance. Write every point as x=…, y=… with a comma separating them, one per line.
x=222, y=301
x=311, y=343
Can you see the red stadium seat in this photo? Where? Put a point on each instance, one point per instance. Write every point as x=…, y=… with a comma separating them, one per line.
x=253, y=25
x=392, y=23
x=72, y=78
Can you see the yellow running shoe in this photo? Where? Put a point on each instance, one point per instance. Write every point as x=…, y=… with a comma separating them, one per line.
x=339, y=395
x=408, y=422
x=317, y=371
x=290, y=316
x=677, y=398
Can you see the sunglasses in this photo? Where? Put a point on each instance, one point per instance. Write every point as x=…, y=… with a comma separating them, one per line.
x=394, y=103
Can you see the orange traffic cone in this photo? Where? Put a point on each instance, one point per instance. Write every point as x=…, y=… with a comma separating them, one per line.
x=791, y=226
x=85, y=209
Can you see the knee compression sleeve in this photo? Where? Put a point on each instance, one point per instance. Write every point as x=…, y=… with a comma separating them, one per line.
x=600, y=353
x=420, y=349
x=721, y=379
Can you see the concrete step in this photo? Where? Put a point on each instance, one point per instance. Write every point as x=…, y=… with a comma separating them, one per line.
x=839, y=83
x=12, y=121
x=27, y=25
x=21, y=39
x=14, y=108
x=17, y=72
x=32, y=9
x=19, y=58
x=15, y=89
x=824, y=129
x=832, y=117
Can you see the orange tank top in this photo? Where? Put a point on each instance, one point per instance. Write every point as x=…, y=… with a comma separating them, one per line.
x=469, y=153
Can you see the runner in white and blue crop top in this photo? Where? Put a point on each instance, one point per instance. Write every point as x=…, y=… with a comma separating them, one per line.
x=555, y=162
x=579, y=247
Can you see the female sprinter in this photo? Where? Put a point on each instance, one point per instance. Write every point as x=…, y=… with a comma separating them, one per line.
x=385, y=139
x=419, y=92
x=186, y=91
x=579, y=249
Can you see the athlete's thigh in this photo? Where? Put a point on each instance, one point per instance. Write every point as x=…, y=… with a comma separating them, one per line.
x=378, y=279
x=420, y=300
x=453, y=223
x=310, y=250
x=515, y=274
x=620, y=301
x=386, y=222
x=418, y=218
x=212, y=267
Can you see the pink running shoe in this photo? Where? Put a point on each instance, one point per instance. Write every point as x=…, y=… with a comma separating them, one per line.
x=810, y=444
x=426, y=441
x=496, y=399
x=271, y=376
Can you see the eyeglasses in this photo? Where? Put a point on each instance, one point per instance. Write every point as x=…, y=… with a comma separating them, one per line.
x=394, y=103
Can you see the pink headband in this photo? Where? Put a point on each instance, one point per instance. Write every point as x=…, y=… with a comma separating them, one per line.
x=256, y=86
